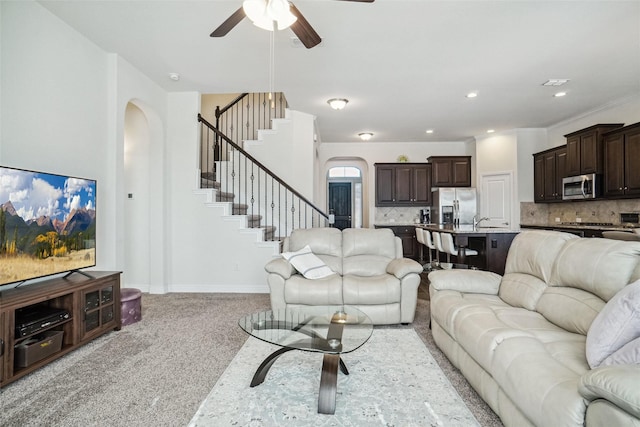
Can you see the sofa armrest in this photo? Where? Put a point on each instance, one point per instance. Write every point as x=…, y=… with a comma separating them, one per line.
x=466, y=281
x=400, y=267
x=281, y=267
x=617, y=384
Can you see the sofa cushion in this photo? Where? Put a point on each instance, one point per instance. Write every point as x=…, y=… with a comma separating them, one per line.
x=600, y=266
x=540, y=375
x=533, y=252
x=521, y=290
x=529, y=265
x=571, y=309
x=617, y=324
x=327, y=291
x=382, y=289
x=307, y=264
x=617, y=384
x=367, y=251
x=325, y=243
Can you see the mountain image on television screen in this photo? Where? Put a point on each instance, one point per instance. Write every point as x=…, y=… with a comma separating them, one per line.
x=44, y=215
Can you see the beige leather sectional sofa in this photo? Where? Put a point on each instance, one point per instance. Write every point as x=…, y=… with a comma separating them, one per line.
x=525, y=340
x=368, y=272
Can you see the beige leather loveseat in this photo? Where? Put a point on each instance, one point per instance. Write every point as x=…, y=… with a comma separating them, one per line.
x=527, y=341
x=367, y=271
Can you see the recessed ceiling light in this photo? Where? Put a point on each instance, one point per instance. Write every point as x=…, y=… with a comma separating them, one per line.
x=338, y=103
x=174, y=76
x=429, y=130
x=559, y=94
x=472, y=94
x=491, y=131
x=365, y=136
x=555, y=82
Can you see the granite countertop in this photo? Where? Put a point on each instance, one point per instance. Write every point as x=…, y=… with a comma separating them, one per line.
x=578, y=226
x=467, y=229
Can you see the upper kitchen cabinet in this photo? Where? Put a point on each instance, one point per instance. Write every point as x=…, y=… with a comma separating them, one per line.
x=622, y=162
x=450, y=171
x=549, y=167
x=403, y=184
x=585, y=149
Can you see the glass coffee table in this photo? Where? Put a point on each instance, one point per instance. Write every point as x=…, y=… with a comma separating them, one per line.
x=329, y=330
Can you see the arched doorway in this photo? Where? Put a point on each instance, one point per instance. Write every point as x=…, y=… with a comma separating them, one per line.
x=136, y=205
x=143, y=234
x=344, y=196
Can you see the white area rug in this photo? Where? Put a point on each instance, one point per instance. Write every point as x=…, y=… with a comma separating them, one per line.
x=393, y=381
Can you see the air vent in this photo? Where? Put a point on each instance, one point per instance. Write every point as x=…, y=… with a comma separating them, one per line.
x=555, y=82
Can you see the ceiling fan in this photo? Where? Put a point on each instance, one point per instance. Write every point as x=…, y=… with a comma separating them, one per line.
x=271, y=14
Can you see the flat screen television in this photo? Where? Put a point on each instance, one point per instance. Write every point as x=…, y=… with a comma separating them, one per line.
x=47, y=224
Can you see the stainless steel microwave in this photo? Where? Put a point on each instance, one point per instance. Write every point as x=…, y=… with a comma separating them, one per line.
x=581, y=187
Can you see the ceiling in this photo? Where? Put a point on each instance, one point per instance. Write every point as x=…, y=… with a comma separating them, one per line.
x=405, y=66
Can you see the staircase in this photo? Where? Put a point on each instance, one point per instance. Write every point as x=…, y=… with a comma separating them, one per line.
x=264, y=203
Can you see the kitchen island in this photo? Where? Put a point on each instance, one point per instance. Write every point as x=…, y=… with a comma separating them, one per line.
x=491, y=243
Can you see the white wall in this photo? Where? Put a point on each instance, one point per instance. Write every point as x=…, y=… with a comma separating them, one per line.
x=625, y=111
x=63, y=104
x=288, y=151
x=55, y=98
x=207, y=252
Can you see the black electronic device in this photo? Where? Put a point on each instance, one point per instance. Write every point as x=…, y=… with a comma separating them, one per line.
x=32, y=319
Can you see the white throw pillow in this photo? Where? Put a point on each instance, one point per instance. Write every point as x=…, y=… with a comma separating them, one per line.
x=308, y=264
x=629, y=354
x=617, y=324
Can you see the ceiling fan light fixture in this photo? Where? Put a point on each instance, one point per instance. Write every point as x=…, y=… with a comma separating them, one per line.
x=338, y=103
x=264, y=13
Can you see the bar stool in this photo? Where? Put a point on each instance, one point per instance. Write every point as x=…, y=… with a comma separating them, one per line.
x=451, y=249
x=420, y=239
x=428, y=241
x=438, y=246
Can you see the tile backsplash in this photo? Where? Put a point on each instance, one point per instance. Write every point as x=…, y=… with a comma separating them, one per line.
x=397, y=215
x=590, y=211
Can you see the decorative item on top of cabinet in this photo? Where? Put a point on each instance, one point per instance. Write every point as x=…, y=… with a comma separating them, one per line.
x=549, y=167
x=622, y=162
x=585, y=149
x=403, y=184
x=450, y=171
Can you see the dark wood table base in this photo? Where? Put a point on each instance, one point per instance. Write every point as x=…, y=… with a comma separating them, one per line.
x=330, y=364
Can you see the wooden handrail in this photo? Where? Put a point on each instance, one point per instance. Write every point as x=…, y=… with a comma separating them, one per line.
x=221, y=111
x=260, y=165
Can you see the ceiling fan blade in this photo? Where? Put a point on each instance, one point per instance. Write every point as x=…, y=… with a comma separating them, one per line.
x=303, y=30
x=228, y=25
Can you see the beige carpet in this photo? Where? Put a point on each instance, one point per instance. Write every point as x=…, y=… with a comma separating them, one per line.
x=158, y=371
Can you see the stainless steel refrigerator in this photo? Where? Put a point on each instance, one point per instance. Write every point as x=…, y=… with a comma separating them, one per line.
x=454, y=205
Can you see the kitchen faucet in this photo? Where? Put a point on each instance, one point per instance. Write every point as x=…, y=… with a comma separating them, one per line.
x=476, y=222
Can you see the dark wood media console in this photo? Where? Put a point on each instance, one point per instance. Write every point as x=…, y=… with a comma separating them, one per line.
x=93, y=305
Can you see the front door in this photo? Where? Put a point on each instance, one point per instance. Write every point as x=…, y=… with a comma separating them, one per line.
x=340, y=204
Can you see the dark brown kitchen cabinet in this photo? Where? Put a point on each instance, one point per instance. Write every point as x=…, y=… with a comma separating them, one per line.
x=622, y=162
x=585, y=149
x=450, y=171
x=403, y=184
x=549, y=167
x=407, y=235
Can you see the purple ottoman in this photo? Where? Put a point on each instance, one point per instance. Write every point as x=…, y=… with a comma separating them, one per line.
x=131, y=305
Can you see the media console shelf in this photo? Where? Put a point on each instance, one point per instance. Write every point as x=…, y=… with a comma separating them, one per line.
x=93, y=305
